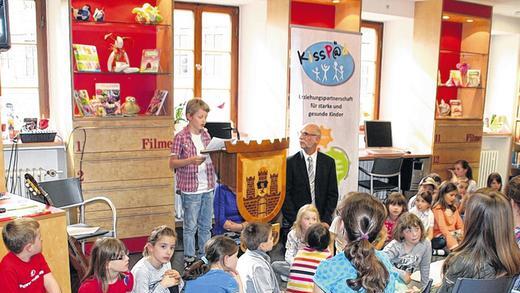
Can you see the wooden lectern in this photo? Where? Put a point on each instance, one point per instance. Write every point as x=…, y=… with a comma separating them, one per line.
x=255, y=172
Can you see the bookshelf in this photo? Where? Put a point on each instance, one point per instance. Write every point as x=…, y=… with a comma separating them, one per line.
x=125, y=157
x=462, y=48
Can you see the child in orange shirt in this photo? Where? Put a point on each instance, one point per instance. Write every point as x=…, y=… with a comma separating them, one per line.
x=448, y=223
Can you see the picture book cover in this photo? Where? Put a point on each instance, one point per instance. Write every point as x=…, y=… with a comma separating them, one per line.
x=456, y=108
x=109, y=95
x=82, y=100
x=455, y=78
x=86, y=58
x=473, y=78
x=156, y=103
x=150, y=60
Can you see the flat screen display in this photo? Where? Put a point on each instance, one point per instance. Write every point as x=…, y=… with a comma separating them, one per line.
x=5, y=42
x=219, y=129
x=378, y=134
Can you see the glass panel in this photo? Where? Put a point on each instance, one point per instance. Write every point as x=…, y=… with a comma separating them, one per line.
x=183, y=44
x=183, y=70
x=216, y=70
x=19, y=66
x=25, y=103
x=216, y=31
x=184, y=29
x=22, y=21
x=369, y=48
x=180, y=97
x=219, y=104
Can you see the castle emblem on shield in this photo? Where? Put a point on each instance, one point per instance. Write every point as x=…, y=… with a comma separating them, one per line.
x=262, y=194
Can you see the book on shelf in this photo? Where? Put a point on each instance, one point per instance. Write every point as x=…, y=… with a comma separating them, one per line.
x=455, y=78
x=109, y=96
x=473, y=76
x=150, y=60
x=157, y=102
x=456, y=108
x=82, y=100
x=86, y=58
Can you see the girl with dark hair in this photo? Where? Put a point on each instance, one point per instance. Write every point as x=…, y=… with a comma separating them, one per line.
x=494, y=181
x=221, y=255
x=462, y=171
x=360, y=266
x=308, y=258
x=108, y=270
x=448, y=226
x=488, y=250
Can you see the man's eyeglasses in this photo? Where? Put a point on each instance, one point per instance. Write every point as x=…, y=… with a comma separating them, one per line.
x=306, y=134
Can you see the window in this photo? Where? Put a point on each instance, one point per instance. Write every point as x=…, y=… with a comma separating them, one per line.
x=371, y=47
x=24, y=66
x=205, y=57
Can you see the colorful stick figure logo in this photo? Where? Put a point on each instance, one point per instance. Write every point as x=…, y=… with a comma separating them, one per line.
x=327, y=63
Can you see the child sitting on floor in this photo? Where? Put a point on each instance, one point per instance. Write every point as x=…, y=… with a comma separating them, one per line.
x=221, y=257
x=395, y=207
x=410, y=250
x=308, y=258
x=254, y=266
x=153, y=272
x=24, y=266
x=422, y=209
x=307, y=216
x=108, y=270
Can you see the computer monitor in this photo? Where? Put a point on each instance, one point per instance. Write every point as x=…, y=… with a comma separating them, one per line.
x=219, y=129
x=378, y=134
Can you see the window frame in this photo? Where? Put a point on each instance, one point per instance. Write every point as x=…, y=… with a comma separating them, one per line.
x=41, y=45
x=41, y=54
x=378, y=27
x=198, y=9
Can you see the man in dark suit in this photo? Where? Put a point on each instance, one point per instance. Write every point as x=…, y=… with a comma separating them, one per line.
x=311, y=178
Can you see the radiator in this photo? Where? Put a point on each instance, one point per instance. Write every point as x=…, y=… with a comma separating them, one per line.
x=15, y=179
x=488, y=165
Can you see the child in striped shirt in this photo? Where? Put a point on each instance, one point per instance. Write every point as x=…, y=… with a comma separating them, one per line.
x=308, y=258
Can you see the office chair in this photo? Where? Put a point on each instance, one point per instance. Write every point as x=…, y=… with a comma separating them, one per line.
x=66, y=194
x=382, y=168
x=464, y=285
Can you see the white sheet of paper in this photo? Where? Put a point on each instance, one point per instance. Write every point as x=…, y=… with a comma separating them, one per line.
x=435, y=273
x=216, y=144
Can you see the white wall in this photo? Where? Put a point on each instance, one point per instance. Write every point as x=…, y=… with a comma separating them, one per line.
x=412, y=120
x=263, y=65
x=501, y=93
x=59, y=69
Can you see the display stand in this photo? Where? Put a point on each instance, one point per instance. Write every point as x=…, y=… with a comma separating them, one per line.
x=459, y=34
x=125, y=158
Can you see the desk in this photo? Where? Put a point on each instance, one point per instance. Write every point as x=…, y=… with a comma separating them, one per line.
x=365, y=155
x=53, y=228
x=410, y=177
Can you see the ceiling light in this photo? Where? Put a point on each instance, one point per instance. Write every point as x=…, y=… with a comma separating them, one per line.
x=469, y=20
x=336, y=1
x=445, y=17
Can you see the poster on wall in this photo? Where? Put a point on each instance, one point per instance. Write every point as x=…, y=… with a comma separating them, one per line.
x=324, y=89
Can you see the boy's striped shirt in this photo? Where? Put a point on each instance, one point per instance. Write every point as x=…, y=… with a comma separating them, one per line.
x=303, y=268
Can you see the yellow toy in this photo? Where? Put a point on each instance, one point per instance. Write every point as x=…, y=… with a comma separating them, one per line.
x=147, y=14
x=130, y=107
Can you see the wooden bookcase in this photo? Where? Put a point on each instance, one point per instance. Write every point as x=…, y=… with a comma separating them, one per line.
x=125, y=158
x=464, y=34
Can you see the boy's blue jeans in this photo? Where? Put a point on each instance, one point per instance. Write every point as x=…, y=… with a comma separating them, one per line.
x=198, y=213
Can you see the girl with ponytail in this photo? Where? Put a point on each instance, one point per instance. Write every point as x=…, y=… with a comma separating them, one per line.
x=360, y=267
